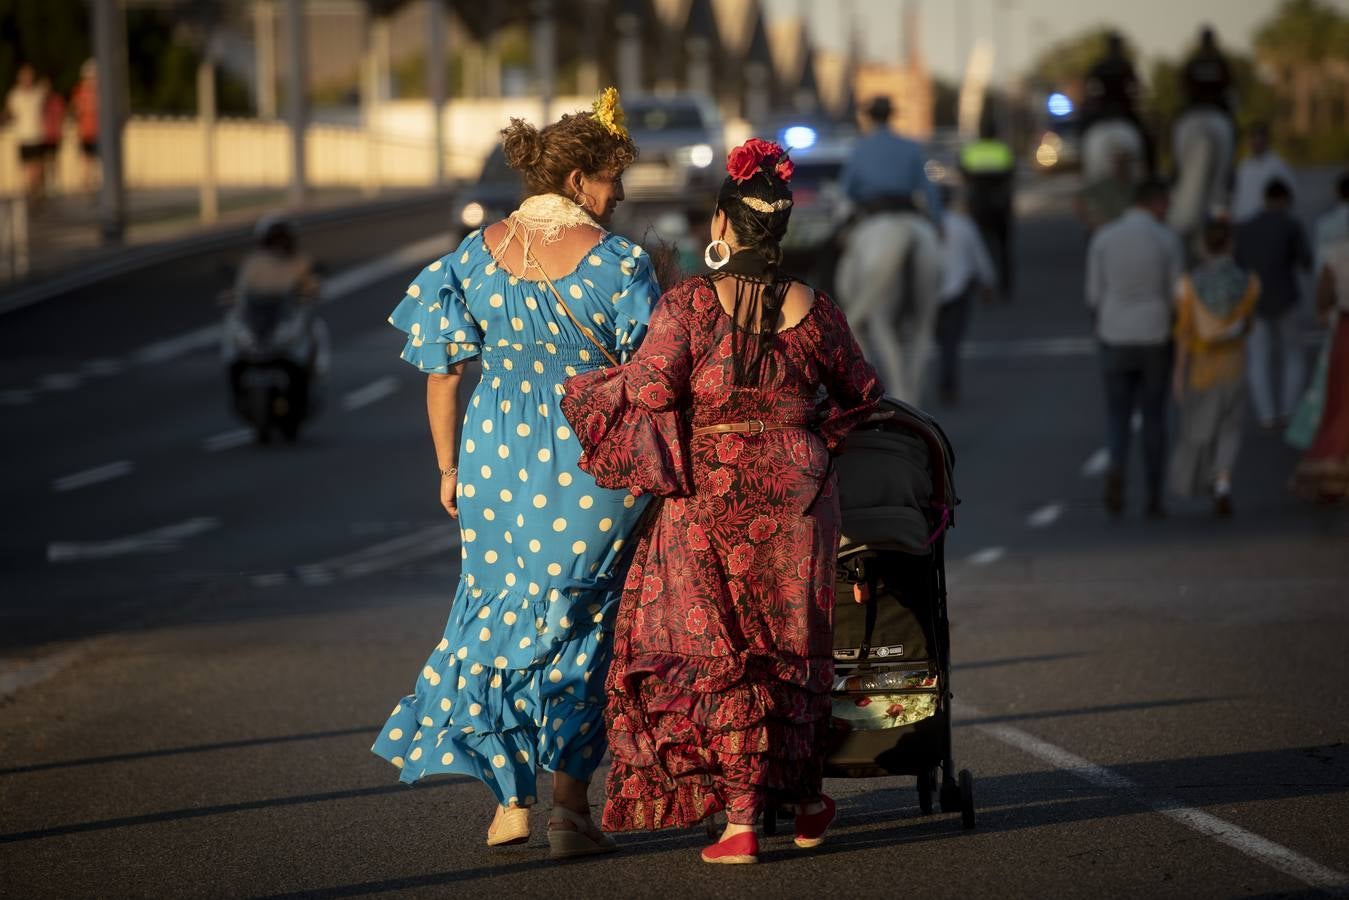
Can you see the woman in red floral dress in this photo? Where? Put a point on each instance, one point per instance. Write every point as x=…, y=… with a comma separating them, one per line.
x=718, y=696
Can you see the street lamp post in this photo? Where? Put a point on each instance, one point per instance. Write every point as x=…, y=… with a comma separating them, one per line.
x=108, y=54
x=544, y=52
x=435, y=86
x=295, y=98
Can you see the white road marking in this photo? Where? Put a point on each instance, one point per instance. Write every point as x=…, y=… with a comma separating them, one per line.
x=59, y=381
x=987, y=556
x=1276, y=856
x=1096, y=464
x=179, y=345
x=399, y=551
x=103, y=367
x=39, y=670
x=227, y=440
x=1077, y=345
x=96, y=475
x=372, y=393
x=157, y=540
x=1045, y=516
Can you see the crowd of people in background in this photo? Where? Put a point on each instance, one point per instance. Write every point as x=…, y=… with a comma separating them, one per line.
x=1197, y=293
x=38, y=115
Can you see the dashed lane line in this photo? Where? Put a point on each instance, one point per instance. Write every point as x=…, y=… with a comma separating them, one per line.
x=1045, y=516
x=987, y=556
x=373, y=392
x=227, y=440
x=378, y=557
x=1096, y=464
x=156, y=540
x=96, y=475
x=1276, y=856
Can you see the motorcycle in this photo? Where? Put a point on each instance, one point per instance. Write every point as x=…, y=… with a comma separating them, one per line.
x=276, y=350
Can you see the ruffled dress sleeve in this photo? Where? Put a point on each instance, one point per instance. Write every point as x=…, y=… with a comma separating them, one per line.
x=854, y=389
x=435, y=316
x=636, y=297
x=631, y=419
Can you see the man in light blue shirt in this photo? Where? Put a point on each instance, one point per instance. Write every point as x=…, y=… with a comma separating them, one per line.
x=885, y=170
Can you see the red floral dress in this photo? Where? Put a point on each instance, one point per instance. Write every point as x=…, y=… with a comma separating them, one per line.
x=718, y=693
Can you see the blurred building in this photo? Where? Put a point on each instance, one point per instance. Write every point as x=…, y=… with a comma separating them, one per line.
x=908, y=84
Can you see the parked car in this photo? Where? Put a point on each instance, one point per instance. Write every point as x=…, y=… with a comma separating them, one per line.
x=496, y=194
x=680, y=146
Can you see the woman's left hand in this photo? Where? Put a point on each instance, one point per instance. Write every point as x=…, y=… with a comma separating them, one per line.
x=448, y=494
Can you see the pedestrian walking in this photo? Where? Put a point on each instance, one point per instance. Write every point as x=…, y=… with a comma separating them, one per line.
x=719, y=693
x=23, y=109
x=1323, y=472
x=1273, y=245
x=84, y=103
x=1261, y=166
x=889, y=273
x=1133, y=265
x=1331, y=229
x=1214, y=306
x=988, y=168
x=516, y=683
x=53, y=129
x=967, y=272
x=1333, y=225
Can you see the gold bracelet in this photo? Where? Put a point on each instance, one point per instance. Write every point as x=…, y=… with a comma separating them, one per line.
x=452, y=470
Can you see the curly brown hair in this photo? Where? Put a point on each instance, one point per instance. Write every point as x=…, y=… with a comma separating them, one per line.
x=576, y=141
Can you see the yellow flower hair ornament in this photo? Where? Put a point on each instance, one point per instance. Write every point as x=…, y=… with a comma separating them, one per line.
x=609, y=113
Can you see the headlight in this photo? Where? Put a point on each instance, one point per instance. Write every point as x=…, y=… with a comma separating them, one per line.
x=1046, y=155
x=701, y=155
x=799, y=137
x=473, y=215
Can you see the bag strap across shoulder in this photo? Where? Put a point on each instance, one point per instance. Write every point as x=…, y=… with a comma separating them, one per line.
x=585, y=329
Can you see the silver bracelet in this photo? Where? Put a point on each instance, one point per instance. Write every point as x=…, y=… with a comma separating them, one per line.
x=452, y=470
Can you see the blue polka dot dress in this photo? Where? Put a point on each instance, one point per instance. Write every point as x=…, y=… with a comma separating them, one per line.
x=517, y=681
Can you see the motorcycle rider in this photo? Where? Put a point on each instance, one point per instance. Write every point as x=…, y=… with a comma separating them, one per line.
x=1204, y=139
x=1110, y=121
x=889, y=274
x=276, y=280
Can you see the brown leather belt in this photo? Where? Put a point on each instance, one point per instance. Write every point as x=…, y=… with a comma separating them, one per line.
x=753, y=426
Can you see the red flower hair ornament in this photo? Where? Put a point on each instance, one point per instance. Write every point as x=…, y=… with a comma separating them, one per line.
x=757, y=155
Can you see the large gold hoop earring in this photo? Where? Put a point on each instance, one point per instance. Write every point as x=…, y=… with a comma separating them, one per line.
x=580, y=200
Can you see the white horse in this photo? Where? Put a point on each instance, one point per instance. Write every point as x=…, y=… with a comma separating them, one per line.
x=1202, y=145
x=889, y=285
x=1105, y=144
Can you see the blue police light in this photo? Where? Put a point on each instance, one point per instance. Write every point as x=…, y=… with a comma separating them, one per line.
x=1059, y=105
x=799, y=137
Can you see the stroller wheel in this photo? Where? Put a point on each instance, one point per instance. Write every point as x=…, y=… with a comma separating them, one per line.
x=966, y=799
x=927, y=781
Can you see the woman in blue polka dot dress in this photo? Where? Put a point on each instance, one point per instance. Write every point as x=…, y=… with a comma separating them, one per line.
x=517, y=682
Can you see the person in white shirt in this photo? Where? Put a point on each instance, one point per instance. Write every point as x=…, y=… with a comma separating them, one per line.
x=1133, y=265
x=23, y=109
x=1333, y=226
x=967, y=271
x=1255, y=173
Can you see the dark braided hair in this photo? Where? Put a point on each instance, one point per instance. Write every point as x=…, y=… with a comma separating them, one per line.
x=759, y=295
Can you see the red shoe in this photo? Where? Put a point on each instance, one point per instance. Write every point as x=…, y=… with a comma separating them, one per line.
x=810, y=829
x=742, y=848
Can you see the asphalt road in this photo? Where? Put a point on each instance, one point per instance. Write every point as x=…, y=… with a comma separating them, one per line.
x=199, y=638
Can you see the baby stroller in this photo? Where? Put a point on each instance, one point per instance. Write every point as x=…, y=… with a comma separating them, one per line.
x=892, y=683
